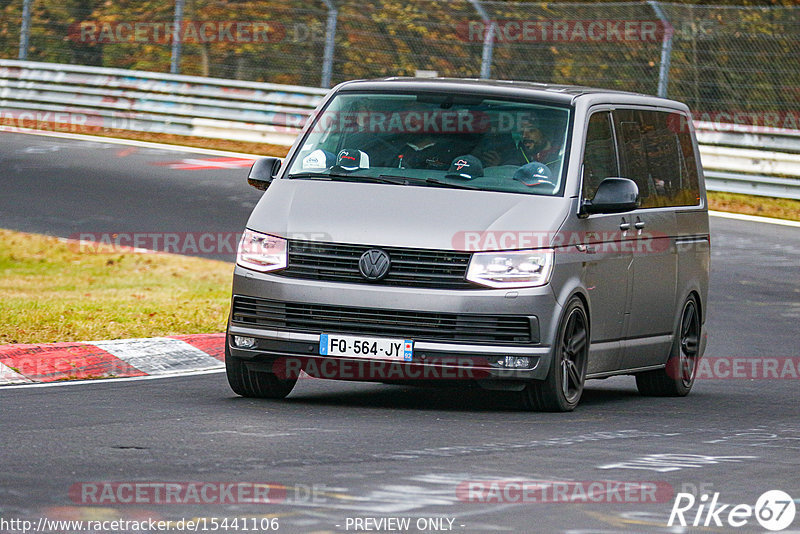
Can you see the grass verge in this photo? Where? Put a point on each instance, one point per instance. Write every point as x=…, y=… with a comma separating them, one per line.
x=779, y=208
x=52, y=292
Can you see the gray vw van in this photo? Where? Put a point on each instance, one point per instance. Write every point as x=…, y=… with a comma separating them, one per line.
x=520, y=236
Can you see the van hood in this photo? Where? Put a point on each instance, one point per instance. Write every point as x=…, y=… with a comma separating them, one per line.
x=406, y=216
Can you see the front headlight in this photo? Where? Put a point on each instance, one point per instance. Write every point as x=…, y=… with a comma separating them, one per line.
x=517, y=268
x=261, y=252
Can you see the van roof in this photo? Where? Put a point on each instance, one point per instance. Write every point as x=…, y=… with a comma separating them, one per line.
x=564, y=94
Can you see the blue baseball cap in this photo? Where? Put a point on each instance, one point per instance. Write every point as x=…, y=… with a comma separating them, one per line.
x=534, y=173
x=350, y=159
x=467, y=167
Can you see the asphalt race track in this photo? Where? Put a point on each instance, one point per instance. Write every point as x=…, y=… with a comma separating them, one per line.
x=336, y=453
x=66, y=188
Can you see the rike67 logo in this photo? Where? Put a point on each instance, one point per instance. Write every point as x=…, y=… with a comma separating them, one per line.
x=774, y=510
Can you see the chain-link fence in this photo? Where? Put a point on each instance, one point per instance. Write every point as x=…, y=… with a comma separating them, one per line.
x=715, y=58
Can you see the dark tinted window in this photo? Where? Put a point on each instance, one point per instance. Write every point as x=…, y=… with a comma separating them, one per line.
x=417, y=136
x=657, y=154
x=599, y=158
x=690, y=181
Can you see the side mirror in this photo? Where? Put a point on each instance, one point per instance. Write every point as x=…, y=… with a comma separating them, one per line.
x=263, y=172
x=614, y=195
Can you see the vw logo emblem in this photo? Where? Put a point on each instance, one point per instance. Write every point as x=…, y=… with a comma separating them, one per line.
x=374, y=264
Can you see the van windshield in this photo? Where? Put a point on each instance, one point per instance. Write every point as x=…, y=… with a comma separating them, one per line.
x=440, y=140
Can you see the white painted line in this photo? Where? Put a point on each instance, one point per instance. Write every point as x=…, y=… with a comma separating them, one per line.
x=129, y=142
x=753, y=218
x=107, y=380
x=191, y=163
x=159, y=355
x=10, y=376
x=93, y=245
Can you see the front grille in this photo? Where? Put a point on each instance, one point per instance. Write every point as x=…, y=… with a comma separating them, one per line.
x=416, y=325
x=337, y=262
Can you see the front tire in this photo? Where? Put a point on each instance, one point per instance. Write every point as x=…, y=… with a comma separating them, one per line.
x=255, y=384
x=562, y=389
x=677, y=378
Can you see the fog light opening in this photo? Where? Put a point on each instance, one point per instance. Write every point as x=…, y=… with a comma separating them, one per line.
x=244, y=342
x=516, y=362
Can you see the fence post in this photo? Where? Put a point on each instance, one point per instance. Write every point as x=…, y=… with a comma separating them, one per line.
x=488, y=39
x=25, y=30
x=666, y=49
x=175, y=63
x=330, y=43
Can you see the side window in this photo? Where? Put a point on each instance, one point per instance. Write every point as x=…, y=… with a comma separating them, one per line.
x=599, y=157
x=658, y=157
x=690, y=181
x=633, y=153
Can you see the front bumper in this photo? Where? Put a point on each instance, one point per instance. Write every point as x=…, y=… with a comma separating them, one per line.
x=280, y=350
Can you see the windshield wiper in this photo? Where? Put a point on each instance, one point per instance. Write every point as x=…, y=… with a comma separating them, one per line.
x=442, y=183
x=347, y=177
x=383, y=179
x=430, y=181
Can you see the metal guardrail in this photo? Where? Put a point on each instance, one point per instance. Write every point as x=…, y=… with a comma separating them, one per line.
x=156, y=102
x=765, y=186
x=752, y=160
x=275, y=114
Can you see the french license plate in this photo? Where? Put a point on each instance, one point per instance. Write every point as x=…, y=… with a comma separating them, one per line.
x=373, y=348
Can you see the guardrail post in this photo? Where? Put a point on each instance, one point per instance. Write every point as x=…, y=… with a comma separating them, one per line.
x=175, y=63
x=25, y=30
x=330, y=43
x=488, y=39
x=666, y=49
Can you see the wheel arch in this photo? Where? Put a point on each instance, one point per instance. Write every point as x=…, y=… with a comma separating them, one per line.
x=568, y=291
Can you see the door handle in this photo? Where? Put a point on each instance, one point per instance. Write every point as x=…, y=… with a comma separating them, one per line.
x=624, y=225
x=639, y=224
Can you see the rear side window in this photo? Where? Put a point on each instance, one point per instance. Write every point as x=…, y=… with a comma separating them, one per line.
x=658, y=155
x=599, y=158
